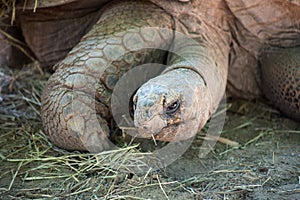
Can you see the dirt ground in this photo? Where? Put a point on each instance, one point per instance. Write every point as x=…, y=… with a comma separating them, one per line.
x=265, y=164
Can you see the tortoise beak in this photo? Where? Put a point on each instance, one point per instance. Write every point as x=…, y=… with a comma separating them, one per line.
x=151, y=128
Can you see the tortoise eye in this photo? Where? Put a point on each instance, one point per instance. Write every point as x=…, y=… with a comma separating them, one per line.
x=134, y=101
x=172, y=109
x=132, y=106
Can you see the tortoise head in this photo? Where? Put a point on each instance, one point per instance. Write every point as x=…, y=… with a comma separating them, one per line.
x=172, y=106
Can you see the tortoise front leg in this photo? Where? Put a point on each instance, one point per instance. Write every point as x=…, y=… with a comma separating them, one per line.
x=76, y=99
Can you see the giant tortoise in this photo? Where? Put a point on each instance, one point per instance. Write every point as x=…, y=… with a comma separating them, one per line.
x=251, y=49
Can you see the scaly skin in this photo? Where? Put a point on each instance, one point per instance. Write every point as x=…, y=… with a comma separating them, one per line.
x=154, y=97
x=80, y=88
x=77, y=97
x=281, y=79
x=75, y=101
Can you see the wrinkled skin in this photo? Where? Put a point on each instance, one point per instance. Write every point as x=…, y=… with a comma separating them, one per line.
x=165, y=109
x=234, y=42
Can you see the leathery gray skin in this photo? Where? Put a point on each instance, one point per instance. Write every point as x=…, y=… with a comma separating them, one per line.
x=75, y=104
x=165, y=110
x=76, y=107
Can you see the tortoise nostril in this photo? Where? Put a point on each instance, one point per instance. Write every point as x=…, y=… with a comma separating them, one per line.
x=145, y=127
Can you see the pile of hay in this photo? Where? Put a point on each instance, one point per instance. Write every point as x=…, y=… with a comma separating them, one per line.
x=29, y=156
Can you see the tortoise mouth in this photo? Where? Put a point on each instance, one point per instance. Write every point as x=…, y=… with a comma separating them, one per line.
x=166, y=134
x=175, y=132
x=145, y=133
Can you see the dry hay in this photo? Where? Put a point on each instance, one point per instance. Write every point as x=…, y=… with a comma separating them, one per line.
x=31, y=167
x=35, y=157
x=31, y=157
